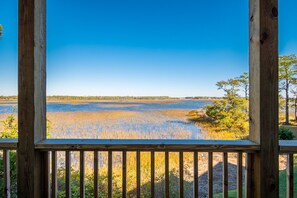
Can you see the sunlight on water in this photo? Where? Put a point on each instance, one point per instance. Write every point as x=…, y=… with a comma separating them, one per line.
x=120, y=120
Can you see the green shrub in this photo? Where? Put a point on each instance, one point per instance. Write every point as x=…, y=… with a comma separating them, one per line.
x=285, y=133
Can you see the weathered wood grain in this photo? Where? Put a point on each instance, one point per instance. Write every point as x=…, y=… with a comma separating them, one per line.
x=68, y=173
x=152, y=174
x=82, y=185
x=167, y=187
x=124, y=178
x=181, y=174
x=148, y=145
x=239, y=174
x=6, y=173
x=210, y=174
x=32, y=172
x=263, y=56
x=290, y=176
x=54, y=193
x=196, y=175
x=8, y=144
x=225, y=175
x=109, y=164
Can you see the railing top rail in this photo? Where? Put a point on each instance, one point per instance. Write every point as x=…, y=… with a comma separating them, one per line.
x=8, y=143
x=288, y=146
x=148, y=145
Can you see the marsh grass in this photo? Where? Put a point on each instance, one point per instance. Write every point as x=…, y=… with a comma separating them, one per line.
x=121, y=125
x=128, y=125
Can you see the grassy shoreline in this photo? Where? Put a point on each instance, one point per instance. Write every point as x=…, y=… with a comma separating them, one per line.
x=211, y=130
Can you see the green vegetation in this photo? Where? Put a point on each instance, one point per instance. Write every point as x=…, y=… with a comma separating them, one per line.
x=117, y=183
x=13, y=174
x=10, y=131
x=10, y=127
x=285, y=133
x=282, y=185
x=230, y=114
x=287, y=78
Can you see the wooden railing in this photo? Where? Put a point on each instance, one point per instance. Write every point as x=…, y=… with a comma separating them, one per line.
x=152, y=146
x=243, y=149
x=6, y=145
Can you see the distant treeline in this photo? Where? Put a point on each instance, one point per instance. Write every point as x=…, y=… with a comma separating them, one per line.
x=14, y=98
x=5, y=98
x=107, y=97
x=203, y=98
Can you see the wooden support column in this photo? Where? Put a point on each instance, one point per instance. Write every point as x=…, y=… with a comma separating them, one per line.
x=32, y=166
x=263, y=23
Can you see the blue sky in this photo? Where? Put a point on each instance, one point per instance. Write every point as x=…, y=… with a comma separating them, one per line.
x=141, y=47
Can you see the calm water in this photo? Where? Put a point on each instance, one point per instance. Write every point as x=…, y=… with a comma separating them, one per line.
x=148, y=120
x=109, y=106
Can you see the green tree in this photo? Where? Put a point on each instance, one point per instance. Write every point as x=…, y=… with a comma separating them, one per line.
x=230, y=87
x=287, y=75
x=230, y=113
x=10, y=127
x=244, y=83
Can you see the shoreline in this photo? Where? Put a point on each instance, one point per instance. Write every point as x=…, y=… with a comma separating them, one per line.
x=81, y=101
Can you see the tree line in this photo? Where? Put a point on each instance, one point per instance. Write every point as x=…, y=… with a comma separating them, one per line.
x=231, y=113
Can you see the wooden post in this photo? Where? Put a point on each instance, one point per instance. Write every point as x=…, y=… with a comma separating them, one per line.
x=263, y=19
x=32, y=165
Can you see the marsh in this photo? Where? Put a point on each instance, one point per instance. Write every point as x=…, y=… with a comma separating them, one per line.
x=152, y=119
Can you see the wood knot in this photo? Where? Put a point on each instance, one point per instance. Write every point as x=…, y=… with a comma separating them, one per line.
x=274, y=12
x=264, y=37
x=272, y=187
x=252, y=18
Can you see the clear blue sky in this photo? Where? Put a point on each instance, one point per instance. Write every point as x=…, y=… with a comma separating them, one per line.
x=141, y=47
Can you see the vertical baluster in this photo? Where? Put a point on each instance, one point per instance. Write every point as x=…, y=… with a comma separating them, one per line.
x=225, y=175
x=109, y=174
x=210, y=175
x=290, y=176
x=6, y=167
x=181, y=174
x=96, y=174
x=82, y=174
x=54, y=174
x=248, y=175
x=239, y=174
x=196, y=187
x=152, y=174
x=47, y=178
x=166, y=174
x=138, y=173
x=124, y=187
x=47, y=172
x=68, y=173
